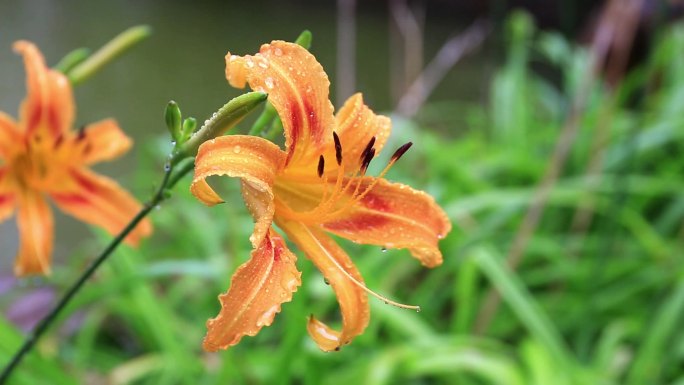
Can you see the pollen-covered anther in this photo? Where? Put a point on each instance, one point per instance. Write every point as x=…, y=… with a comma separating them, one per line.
x=369, y=146
x=321, y=166
x=81, y=133
x=338, y=148
x=58, y=141
x=366, y=160
x=400, y=152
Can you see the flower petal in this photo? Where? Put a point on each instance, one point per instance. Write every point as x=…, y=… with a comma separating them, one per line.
x=34, y=220
x=394, y=215
x=339, y=271
x=7, y=198
x=100, y=201
x=104, y=140
x=297, y=87
x=10, y=137
x=356, y=125
x=257, y=290
x=255, y=160
x=49, y=105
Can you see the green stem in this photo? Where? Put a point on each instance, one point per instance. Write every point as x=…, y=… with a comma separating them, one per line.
x=45, y=323
x=107, y=53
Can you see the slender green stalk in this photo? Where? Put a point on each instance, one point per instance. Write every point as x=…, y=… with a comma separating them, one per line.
x=72, y=59
x=120, y=44
x=45, y=323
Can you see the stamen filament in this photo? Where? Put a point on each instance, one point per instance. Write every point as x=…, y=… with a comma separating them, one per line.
x=354, y=280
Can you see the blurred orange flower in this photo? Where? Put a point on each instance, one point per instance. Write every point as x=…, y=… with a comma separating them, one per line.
x=316, y=186
x=40, y=156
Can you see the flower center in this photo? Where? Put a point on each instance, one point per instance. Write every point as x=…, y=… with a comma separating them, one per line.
x=327, y=196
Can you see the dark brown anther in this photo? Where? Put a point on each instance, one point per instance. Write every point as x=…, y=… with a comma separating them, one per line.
x=365, y=151
x=321, y=166
x=338, y=148
x=400, y=151
x=366, y=160
x=58, y=142
x=81, y=133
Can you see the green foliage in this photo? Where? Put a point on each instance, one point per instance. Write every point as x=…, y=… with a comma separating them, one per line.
x=594, y=304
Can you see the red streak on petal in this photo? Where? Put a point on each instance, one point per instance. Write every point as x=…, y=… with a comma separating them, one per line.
x=53, y=120
x=314, y=130
x=295, y=130
x=70, y=199
x=357, y=222
x=5, y=198
x=34, y=118
x=84, y=183
x=376, y=203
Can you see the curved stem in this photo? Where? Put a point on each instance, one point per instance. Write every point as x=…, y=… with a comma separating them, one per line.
x=159, y=196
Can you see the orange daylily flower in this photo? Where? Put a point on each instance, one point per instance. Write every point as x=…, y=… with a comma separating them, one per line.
x=315, y=187
x=40, y=156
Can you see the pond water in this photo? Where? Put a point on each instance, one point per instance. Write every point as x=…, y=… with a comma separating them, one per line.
x=184, y=61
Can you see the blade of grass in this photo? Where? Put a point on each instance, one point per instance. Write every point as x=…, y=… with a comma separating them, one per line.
x=523, y=305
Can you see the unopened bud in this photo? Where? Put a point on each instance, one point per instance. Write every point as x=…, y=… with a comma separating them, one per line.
x=172, y=115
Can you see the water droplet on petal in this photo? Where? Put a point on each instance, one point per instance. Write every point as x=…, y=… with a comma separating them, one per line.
x=269, y=83
x=278, y=52
x=263, y=64
x=326, y=281
x=384, y=249
x=237, y=149
x=250, y=63
x=267, y=317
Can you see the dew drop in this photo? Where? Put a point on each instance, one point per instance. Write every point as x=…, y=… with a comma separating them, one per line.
x=267, y=316
x=173, y=143
x=250, y=63
x=278, y=52
x=268, y=82
x=237, y=149
x=326, y=281
x=167, y=167
x=418, y=309
x=263, y=64
x=384, y=249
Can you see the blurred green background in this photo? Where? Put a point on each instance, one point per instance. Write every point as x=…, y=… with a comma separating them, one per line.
x=555, y=147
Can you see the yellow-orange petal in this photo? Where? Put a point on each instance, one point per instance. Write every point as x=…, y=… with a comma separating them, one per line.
x=103, y=140
x=394, y=215
x=255, y=160
x=7, y=197
x=34, y=220
x=356, y=124
x=49, y=105
x=10, y=137
x=257, y=290
x=339, y=271
x=297, y=87
x=99, y=201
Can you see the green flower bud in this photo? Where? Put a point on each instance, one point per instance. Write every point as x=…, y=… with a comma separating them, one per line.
x=172, y=115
